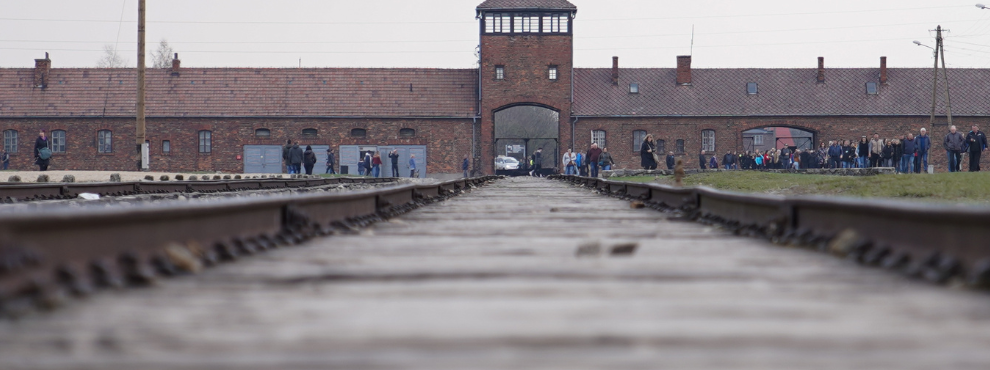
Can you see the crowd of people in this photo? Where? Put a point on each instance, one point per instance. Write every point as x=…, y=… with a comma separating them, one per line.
x=585, y=164
x=906, y=154
x=297, y=160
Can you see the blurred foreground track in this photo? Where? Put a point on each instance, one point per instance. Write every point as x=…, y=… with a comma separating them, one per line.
x=522, y=273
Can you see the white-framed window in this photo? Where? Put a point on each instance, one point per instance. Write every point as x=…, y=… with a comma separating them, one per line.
x=598, y=137
x=871, y=88
x=638, y=137
x=10, y=141
x=758, y=140
x=58, y=141
x=499, y=72
x=552, y=73
x=166, y=147
x=708, y=140
x=104, y=141
x=205, y=141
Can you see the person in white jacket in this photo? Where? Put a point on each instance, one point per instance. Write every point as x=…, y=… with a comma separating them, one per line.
x=570, y=162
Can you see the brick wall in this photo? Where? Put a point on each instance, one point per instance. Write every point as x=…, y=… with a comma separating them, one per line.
x=447, y=140
x=526, y=59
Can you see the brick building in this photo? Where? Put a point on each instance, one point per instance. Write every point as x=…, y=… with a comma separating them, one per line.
x=204, y=119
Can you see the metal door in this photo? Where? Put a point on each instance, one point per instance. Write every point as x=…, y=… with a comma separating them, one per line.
x=262, y=159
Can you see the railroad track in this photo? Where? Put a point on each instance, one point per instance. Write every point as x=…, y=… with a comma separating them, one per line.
x=10, y=193
x=939, y=243
x=47, y=257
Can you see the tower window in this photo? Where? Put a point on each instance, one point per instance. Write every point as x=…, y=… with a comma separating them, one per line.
x=359, y=132
x=555, y=23
x=552, y=72
x=634, y=88
x=205, y=141
x=871, y=88
x=58, y=141
x=104, y=141
x=499, y=72
x=752, y=88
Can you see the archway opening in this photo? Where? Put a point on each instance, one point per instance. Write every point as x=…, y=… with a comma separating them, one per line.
x=522, y=130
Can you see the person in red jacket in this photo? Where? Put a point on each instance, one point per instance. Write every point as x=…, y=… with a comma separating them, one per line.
x=592, y=158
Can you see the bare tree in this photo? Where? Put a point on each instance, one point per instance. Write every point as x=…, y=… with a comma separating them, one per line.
x=162, y=58
x=110, y=58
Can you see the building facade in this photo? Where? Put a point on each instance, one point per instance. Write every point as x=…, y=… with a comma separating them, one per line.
x=526, y=93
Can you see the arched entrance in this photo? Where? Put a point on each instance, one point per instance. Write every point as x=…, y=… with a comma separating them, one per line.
x=521, y=130
x=777, y=137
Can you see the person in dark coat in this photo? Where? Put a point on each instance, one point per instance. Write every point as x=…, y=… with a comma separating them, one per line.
x=537, y=165
x=592, y=159
x=367, y=164
x=646, y=152
x=393, y=157
x=309, y=159
x=805, y=159
x=977, y=142
x=41, y=142
x=954, y=144
x=331, y=159
x=285, y=156
x=296, y=158
x=465, y=165
x=670, y=161
x=702, y=161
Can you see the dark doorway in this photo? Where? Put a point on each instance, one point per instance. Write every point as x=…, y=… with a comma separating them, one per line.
x=521, y=130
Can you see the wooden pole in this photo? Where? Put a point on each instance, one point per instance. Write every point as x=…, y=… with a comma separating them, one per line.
x=945, y=76
x=140, y=136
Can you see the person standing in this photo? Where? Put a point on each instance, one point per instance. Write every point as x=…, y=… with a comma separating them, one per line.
x=295, y=158
x=876, y=148
x=605, y=160
x=702, y=161
x=285, y=156
x=465, y=165
x=367, y=164
x=376, y=164
x=393, y=157
x=954, y=143
x=570, y=162
x=646, y=153
x=6, y=159
x=42, y=159
x=412, y=165
x=537, y=164
x=923, y=142
x=331, y=159
x=309, y=159
x=592, y=158
x=910, y=151
x=977, y=142
x=670, y=160
x=863, y=153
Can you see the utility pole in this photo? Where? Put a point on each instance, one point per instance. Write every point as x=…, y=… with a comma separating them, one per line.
x=142, y=148
x=940, y=53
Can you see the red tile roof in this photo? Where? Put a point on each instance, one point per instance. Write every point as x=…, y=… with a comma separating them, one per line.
x=244, y=92
x=782, y=92
x=526, y=4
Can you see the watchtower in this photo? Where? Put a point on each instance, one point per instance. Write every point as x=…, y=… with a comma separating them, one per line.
x=526, y=57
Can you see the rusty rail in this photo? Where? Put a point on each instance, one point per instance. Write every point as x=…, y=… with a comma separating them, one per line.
x=936, y=242
x=41, y=191
x=46, y=257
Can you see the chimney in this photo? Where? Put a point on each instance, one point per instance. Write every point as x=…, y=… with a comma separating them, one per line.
x=615, y=71
x=821, y=70
x=42, y=68
x=683, y=69
x=175, y=65
x=883, y=70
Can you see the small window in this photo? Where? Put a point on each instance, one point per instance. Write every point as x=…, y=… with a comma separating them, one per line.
x=752, y=88
x=638, y=137
x=263, y=132
x=10, y=141
x=552, y=73
x=661, y=146
x=58, y=141
x=598, y=137
x=166, y=147
x=310, y=132
x=871, y=88
x=634, y=88
x=499, y=72
x=708, y=140
x=758, y=140
x=680, y=145
x=359, y=132
x=407, y=132
x=104, y=141
x=205, y=141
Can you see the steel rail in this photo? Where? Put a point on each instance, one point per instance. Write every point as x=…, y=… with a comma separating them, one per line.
x=10, y=193
x=936, y=242
x=47, y=256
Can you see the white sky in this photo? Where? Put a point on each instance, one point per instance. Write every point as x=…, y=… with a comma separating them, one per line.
x=444, y=33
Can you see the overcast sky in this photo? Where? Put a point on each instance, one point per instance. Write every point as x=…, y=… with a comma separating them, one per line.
x=444, y=33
